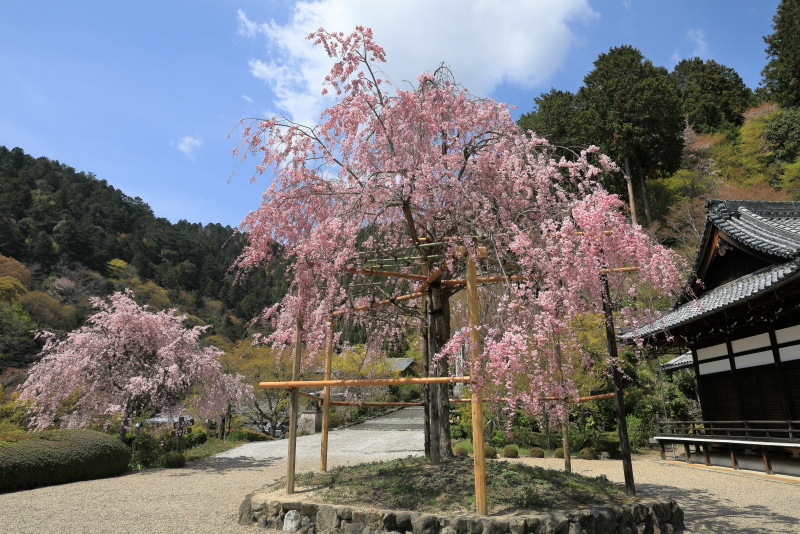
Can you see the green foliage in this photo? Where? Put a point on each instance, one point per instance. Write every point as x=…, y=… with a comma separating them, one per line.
x=608, y=442
x=59, y=456
x=460, y=451
x=245, y=434
x=536, y=452
x=15, y=269
x=10, y=289
x=782, y=133
x=781, y=76
x=511, y=451
x=48, y=312
x=17, y=344
x=558, y=453
x=489, y=452
x=639, y=432
x=174, y=459
x=587, y=454
x=499, y=439
x=713, y=96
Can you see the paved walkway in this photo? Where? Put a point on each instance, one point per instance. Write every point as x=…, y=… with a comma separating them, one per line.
x=204, y=497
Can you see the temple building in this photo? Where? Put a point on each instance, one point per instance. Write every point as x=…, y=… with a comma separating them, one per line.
x=739, y=316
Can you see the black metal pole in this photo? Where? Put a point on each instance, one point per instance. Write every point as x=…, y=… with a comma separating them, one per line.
x=625, y=448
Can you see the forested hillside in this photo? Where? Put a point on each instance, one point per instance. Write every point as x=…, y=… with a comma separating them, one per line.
x=66, y=235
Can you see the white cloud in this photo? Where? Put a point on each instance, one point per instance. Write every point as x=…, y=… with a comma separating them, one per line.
x=698, y=38
x=486, y=43
x=188, y=144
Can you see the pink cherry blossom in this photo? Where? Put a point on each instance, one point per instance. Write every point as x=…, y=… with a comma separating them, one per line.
x=125, y=362
x=434, y=162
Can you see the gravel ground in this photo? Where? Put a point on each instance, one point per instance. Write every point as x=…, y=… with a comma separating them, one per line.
x=205, y=496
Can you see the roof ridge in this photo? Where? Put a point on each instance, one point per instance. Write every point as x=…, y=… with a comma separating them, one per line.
x=776, y=232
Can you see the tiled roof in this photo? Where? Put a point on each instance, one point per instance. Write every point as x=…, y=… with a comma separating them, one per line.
x=721, y=297
x=678, y=362
x=772, y=228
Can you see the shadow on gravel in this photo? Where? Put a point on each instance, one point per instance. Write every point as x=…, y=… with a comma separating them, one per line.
x=222, y=465
x=706, y=513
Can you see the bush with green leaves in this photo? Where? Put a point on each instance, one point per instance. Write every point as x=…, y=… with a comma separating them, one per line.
x=558, y=453
x=59, y=456
x=174, y=459
x=608, y=442
x=460, y=451
x=587, y=454
x=511, y=451
x=537, y=452
x=489, y=452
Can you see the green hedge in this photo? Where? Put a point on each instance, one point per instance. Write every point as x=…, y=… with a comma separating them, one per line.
x=60, y=456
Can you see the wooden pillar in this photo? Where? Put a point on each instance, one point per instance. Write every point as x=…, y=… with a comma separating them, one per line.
x=295, y=406
x=619, y=399
x=706, y=455
x=481, y=507
x=663, y=450
x=326, y=400
x=734, y=460
x=565, y=443
x=767, y=460
x=688, y=450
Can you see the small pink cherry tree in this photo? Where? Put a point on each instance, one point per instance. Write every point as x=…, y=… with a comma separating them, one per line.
x=126, y=362
x=435, y=169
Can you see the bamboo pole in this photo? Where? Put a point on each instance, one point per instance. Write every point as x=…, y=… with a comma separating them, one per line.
x=295, y=406
x=588, y=398
x=366, y=382
x=479, y=459
x=326, y=400
x=380, y=303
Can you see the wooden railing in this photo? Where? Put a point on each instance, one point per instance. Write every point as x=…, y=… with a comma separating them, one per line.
x=756, y=430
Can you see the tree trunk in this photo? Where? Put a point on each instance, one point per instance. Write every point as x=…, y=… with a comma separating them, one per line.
x=629, y=181
x=645, y=201
x=438, y=335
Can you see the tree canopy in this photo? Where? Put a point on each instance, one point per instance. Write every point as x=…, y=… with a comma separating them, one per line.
x=712, y=95
x=637, y=117
x=441, y=173
x=781, y=76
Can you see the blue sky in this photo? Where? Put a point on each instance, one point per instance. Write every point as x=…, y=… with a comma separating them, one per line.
x=145, y=94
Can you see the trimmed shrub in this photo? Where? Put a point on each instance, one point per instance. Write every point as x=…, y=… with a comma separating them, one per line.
x=60, y=456
x=511, y=451
x=194, y=439
x=558, y=453
x=489, y=452
x=246, y=434
x=174, y=459
x=587, y=454
x=499, y=439
x=608, y=442
x=460, y=451
x=537, y=452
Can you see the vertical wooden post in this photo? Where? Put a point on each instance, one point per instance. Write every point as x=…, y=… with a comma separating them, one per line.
x=734, y=460
x=326, y=400
x=565, y=443
x=619, y=399
x=477, y=406
x=295, y=406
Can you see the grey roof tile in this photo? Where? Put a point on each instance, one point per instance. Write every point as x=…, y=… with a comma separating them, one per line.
x=726, y=295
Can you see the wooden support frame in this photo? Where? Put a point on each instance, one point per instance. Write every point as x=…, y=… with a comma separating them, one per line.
x=290, y=464
x=470, y=283
x=478, y=453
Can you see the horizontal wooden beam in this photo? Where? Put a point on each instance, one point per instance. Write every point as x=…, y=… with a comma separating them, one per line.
x=378, y=304
x=366, y=382
x=390, y=274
